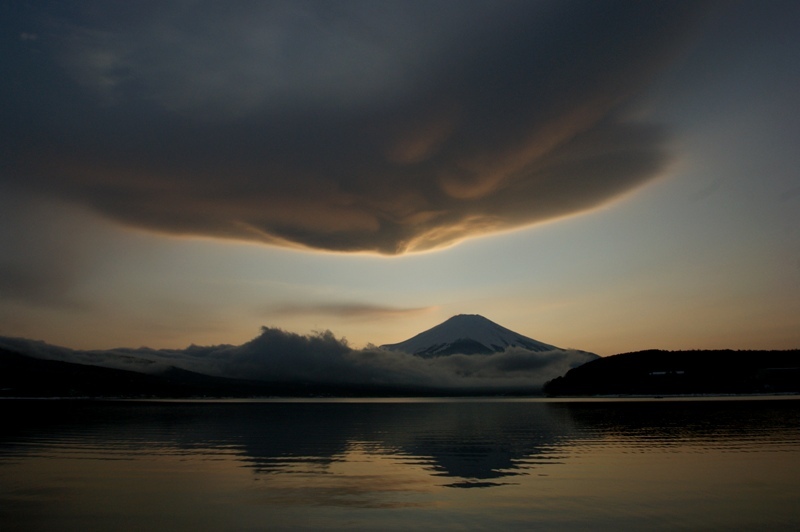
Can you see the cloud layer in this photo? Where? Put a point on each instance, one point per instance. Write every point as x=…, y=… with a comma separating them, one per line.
x=321, y=358
x=347, y=126
x=344, y=310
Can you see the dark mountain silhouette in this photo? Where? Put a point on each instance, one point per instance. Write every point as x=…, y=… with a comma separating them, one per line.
x=656, y=372
x=26, y=376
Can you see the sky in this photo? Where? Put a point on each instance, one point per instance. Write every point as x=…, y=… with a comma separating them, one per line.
x=605, y=176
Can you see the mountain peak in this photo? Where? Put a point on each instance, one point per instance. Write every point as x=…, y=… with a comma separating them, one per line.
x=466, y=334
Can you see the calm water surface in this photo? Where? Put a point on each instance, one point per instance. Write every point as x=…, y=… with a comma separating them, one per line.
x=705, y=464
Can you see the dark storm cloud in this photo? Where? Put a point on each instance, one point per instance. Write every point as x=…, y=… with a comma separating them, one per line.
x=347, y=126
x=321, y=358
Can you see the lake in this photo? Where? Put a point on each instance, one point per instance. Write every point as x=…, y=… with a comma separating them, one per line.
x=449, y=464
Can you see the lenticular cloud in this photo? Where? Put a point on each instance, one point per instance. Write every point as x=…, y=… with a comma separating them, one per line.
x=387, y=128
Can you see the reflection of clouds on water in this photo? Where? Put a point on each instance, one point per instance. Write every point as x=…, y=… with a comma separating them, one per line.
x=470, y=443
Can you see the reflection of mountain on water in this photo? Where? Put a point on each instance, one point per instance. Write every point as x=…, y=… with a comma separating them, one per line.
x=479, y=441
x=469, y=442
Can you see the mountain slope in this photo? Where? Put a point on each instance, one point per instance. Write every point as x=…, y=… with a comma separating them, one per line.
x=466, y=334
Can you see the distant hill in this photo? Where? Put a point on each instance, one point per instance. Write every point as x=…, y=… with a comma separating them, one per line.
x=658, y=372
x=468, y=334
x=26, y=376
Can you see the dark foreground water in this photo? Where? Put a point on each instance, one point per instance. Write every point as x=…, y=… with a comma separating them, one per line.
x=441, y=464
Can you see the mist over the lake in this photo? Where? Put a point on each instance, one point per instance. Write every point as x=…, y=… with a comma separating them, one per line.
x=322, y=358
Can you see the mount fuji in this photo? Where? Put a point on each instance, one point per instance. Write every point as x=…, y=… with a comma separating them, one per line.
x=280, y=363
x=467, y=334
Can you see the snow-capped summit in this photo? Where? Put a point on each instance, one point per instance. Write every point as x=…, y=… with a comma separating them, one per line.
x=467, y=334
